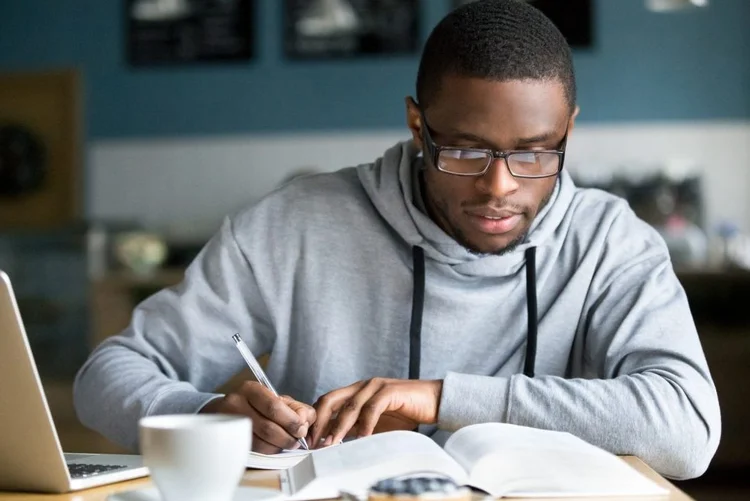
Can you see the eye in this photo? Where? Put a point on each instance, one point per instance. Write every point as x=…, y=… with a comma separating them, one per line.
x=464, y=154
x=530, y=157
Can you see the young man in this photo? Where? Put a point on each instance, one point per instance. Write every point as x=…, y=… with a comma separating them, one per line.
x=460, y=278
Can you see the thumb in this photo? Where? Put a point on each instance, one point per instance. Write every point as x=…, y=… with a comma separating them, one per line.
x=305, y=412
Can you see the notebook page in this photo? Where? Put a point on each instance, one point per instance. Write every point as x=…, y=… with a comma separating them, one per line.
x=354, y=466
x=280, y=461
x=517, y=461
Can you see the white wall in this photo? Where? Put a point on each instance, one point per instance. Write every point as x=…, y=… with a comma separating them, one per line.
x=187, y=185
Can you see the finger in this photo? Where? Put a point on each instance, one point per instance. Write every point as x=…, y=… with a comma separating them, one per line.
x=327, y=406
x=350, y=411
x=320, y=433
x=271, y=432
x=372, y=410
x=260, y=445
x=272, y=407
x=325, y=432
x=327, y=409
x=305, y=412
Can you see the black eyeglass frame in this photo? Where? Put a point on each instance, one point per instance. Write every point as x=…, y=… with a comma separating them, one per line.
x=433, y=150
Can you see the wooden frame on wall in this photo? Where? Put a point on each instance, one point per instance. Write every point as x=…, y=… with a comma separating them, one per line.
x=48, y=105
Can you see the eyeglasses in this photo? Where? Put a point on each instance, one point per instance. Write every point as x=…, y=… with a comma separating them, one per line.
x=476, y=161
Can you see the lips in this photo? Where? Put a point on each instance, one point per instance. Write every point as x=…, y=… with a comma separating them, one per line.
x=502, y=214
x=494, y=222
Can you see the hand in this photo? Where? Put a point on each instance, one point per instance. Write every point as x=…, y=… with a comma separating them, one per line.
x=278, y=422
x=358, y=408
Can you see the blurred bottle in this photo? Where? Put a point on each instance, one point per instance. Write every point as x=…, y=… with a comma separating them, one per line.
x=734, y=247
x=687, y=243
x=96, y=251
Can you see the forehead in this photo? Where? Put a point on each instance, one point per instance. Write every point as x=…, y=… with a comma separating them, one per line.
x=510, y=109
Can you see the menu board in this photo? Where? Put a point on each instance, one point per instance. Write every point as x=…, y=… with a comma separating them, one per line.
x=320, y=29
x=161, y=32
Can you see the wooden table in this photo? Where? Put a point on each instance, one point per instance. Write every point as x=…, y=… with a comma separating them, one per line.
x=270, y=479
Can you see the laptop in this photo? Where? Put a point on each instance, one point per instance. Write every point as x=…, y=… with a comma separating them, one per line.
x=31, y=458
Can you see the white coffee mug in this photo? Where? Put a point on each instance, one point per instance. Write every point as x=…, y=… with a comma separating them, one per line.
x=195, y=457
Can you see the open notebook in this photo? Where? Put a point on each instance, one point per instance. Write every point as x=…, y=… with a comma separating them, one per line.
x=280, y=461
x=502, y=459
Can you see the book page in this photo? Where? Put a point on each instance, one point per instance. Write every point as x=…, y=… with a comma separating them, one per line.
x=355, y=466
x=517, y=461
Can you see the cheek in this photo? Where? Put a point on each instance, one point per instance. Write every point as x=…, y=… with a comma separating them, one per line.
x=451, y=192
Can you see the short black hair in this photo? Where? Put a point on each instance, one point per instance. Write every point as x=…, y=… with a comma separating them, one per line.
x=495, y=40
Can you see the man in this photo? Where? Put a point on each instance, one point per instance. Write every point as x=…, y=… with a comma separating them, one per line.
x=461, y=278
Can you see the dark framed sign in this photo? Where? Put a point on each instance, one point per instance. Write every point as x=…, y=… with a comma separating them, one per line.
x=321, y=29
x=574, y=18
x=164, y=32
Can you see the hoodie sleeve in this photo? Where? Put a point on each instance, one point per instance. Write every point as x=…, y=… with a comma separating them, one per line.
x=177, y=349
x=650, y=394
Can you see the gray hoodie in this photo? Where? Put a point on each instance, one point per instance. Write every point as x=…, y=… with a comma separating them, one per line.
x=320, y=274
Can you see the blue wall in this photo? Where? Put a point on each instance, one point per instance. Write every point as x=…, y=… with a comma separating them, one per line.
x=645, y=66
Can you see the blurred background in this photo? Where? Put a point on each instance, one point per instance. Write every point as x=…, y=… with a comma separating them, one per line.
x=129, y=128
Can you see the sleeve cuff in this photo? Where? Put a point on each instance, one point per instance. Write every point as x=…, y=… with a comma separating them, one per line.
x=469, y=399
x=180, y=402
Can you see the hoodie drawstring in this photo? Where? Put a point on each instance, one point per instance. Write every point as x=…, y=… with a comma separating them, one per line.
x=528, y=367
x=417, y=308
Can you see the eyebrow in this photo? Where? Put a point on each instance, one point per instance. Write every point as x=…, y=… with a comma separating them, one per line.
x=519, y=142
x=539, y=138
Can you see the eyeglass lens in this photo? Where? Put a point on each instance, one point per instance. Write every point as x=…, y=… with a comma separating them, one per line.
x=520, y=164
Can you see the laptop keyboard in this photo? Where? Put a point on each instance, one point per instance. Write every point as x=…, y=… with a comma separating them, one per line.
x=86, y=470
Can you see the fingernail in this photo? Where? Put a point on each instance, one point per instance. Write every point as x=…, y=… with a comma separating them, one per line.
x=328, y=441
x=302, y=430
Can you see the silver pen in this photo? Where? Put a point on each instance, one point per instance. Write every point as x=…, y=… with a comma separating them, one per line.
x=258, y=372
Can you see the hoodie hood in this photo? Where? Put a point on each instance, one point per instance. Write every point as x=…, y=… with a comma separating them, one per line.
x=390, y=183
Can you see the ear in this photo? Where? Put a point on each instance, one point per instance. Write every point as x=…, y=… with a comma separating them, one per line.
x=573, y=116
x=414, y=121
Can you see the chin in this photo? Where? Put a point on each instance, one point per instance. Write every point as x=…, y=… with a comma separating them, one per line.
x=480, y=243
x=497, y=245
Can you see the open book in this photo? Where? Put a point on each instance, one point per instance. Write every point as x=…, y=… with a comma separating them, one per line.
x=502, y=459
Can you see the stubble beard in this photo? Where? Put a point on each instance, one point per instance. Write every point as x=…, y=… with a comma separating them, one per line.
x=441, y=207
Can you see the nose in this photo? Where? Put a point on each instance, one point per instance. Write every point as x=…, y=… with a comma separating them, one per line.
x=498, y=182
